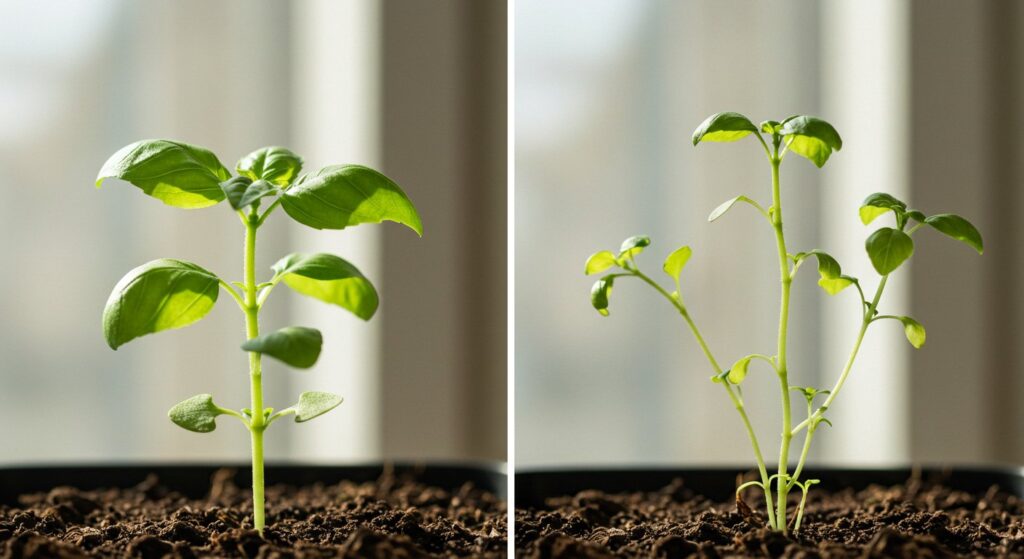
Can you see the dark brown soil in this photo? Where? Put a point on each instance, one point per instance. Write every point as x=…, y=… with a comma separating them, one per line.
x=908, y=521
x=388, y=518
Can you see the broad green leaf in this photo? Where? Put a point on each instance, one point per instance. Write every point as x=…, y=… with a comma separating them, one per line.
x=728, y=204
x=275, y=165
x=314, y=404
x=958, y=228
x=297, y=346
x=159, y=295
x=811, y=137
x=342, y=196
x=723, y=127
x=176, y=173
x=738, y=371
x=633, y=246
x=600, y=261
x=877, y=204
x=831, y=275
x=242, y=191
x=914, y=331
x=600, y=293
x=330, y=279
x=676, y=261
x=888, y=248
x=197, y=414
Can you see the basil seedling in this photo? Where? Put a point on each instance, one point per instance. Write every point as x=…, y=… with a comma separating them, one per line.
x=166, y=294
x=887, y=248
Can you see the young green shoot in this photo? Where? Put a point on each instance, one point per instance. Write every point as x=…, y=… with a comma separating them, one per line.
x=887, y=248
x=166, y=294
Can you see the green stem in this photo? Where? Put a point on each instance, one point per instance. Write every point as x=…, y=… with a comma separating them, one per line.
x=258, y=421
x=783, y=371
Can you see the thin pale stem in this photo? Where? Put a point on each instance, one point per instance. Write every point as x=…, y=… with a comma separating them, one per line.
x=781, y=362
x=252, y=329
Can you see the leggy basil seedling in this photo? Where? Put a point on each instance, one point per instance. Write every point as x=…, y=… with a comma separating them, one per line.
x=887, y=248
x=166, y=294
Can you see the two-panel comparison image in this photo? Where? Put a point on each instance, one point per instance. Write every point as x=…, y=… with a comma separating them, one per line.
x=545, y=279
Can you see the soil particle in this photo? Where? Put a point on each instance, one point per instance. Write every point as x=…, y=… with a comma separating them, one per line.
x=915, y=520
x=393, y=517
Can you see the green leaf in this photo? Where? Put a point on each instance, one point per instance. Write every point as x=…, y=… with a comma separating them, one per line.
x=600, y=261
x=831, y=275
x=160, y=295
x=242, y=191
x=314, y=404
x=273, y=164
x=728, y=204
x=723, y=127
x=916, y=215
x=738, y=371
x=771, y=126
x=877, y=204
x=811, y=137
x=342, y=196
x=176, y=173
x=914, y=331
x=600, y=293
x=676, y=261
x=197, y=414
x=330, y=279
x=297, y=346
x=958, y=228
x=633, y=246
x=888, y=248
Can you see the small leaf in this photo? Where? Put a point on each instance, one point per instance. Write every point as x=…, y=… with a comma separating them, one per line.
x=811, y=137
x=958, y=228
x=738, y=371
x=633, y=246
x=728, y=204
x=720, y=377
x=160, y=295
x=176, y=173
x=676, y=261
x=242, y=191
x=831, y=275
x=314, y=404
x=888, y=248
x=877, y=204
x=771, y=126
x=723, y=127
x=916, y=215
x=342, y=196
x=273, y=164
x=599, y=262
x=600, y=292
x=330, y=279
x=197, y=414
x=914, y=331
x=297, y=346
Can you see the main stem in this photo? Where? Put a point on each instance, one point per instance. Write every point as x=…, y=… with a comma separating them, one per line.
x=252, y=329
x=783, y=372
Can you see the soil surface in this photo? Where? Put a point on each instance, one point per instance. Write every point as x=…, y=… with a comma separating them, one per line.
x=915, y=520
x=388, y=518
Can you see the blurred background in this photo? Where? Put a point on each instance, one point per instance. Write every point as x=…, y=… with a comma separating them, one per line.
x=926, y=96
x=416, y=91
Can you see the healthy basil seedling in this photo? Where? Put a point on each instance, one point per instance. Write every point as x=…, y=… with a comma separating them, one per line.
x=166, y=294
x=887, y=248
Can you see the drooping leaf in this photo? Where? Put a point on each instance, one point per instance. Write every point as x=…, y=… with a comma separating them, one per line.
x=599, y=262
x=197, y=413
x=275, y=165
x=314, y=404
x=811, y=137
x=176, y=173
x=738, y=371
x=888, y=248
x=633, y=246
x=600, y=293
x=342, y=196
x=297, y=346
x=728, y=204
x=676, y=261
x=914, y=331
x=958, y=228
x=159, y=295
x=330, y=279
x=242, y=191
x=831, y=277
x=723, y=127
x=877, y=204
